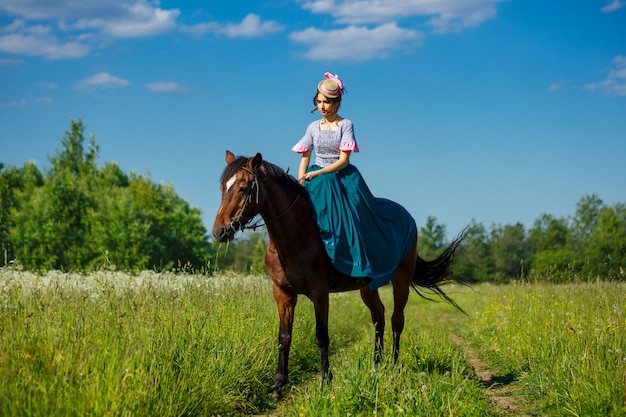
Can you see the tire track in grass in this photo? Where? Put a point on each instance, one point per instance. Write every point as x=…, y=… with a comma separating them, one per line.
x=499, y=388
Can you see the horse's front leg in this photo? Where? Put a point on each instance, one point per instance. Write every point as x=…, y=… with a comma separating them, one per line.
x=322, y=340
x=286, y=303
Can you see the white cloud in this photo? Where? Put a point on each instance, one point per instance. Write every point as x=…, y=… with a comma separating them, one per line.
x=99, y=82
x=613, y=6
x=140, y=20
x=250, y=27
x=356, y=43
x=615, y=82
x=360, y=41
x=201, y=28
x=71, y=10
x=58, y=9
x=443, y=15
x=43, y=45
x=12, y=27
x=69, y=28
x=166, y=87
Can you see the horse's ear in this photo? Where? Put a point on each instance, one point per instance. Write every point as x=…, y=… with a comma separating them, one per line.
x=255, y=163
x=230, y=157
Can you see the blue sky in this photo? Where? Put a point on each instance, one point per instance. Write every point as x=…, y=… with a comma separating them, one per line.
x=486, y=110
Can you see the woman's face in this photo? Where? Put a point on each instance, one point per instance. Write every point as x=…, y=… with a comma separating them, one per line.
x=325, y=106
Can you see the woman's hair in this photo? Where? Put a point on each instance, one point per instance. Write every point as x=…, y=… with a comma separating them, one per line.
x=336, y=101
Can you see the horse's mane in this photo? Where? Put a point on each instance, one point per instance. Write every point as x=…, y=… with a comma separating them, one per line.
x=274, y=171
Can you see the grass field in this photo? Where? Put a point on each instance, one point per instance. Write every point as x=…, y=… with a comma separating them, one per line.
x=113, y=344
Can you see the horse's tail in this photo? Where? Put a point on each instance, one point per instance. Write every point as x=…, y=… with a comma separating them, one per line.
x=433, y=274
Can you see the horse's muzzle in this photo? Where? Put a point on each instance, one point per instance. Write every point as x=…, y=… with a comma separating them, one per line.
x=223, y=233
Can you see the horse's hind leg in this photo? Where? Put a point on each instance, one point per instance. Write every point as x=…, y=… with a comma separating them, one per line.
x=377, y=310
x=400, y=298
x=401, y=285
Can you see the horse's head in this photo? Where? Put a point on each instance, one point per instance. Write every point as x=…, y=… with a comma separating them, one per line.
x=240, y=195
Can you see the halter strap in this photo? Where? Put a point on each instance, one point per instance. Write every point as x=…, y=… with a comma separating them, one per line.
x=236, y=224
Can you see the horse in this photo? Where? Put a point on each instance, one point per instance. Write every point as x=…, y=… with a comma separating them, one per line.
x=297, y=261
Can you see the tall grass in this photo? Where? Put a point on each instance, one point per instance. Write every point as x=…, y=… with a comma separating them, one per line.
x=566, y=344
x=431, y=378
x=162, y=344
x=114, y=344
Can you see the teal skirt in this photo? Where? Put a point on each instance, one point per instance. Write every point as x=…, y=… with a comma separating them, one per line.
x=365, y=236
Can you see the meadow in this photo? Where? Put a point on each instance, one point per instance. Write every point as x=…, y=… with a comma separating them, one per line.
x=164, y=344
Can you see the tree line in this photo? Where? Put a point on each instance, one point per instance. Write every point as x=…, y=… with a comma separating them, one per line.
x=589, y=244
x=77, y=215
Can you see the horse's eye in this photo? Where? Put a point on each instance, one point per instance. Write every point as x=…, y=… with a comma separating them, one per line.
x=243, y=190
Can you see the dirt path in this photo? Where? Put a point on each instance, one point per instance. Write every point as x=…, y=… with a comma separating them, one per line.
x=497, y=387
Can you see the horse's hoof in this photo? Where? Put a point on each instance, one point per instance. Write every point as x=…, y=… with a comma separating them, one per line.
x=275, y=393
x=326, y=380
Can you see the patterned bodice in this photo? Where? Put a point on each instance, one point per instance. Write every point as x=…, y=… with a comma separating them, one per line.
x=327, y=144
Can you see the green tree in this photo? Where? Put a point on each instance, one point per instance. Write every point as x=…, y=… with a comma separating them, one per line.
x=547, y=233
x=119, y=232
x=432, y=239
x=72, y=156
x=244, y=254
x=474, y=263
x=585, y=221
x=257, y=264
x=177, y=235
x=30, y=222
x=606, y=252
x=7, y=200
x=79, y=216
x=549, y=242
x=34, y=233
x=509, y=251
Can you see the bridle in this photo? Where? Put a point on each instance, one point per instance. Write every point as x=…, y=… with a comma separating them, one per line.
x=254, y=190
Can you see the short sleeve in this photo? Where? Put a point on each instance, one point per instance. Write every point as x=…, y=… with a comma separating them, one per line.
x=299, y=148
x=306, y=143
x=349, y=146
x=348, y=141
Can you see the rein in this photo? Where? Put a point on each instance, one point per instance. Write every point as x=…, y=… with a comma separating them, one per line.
x=237, y=225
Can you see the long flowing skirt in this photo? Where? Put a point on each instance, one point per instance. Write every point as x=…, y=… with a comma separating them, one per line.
x=365, y=236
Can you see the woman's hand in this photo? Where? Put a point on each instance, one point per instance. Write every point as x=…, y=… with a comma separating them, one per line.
x=308, y=176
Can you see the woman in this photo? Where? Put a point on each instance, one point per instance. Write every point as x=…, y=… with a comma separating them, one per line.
x=364, y=236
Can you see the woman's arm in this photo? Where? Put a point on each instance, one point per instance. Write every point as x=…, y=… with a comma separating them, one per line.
x=341, y=163
x=304, y=164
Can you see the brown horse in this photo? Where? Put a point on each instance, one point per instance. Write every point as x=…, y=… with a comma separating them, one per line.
x=297, y=261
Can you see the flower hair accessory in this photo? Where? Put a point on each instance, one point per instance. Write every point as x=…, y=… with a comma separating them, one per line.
x=331, y=86
x=335, y=78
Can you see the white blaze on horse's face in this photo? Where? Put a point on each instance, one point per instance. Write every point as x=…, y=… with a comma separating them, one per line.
x=230, y=182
